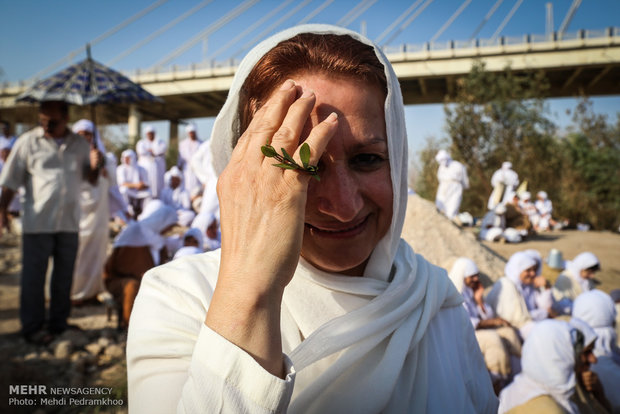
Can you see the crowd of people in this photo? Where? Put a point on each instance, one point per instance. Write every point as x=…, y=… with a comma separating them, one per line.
x=511, y=214
x=548, y=348
x=59, y=182
x=312, y=302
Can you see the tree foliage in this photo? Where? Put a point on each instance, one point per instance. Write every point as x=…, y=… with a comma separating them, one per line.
x=500, y=117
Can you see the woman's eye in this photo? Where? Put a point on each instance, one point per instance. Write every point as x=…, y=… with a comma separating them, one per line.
x=367, y=162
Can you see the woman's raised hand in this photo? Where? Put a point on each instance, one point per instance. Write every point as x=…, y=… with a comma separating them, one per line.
x=262, y=210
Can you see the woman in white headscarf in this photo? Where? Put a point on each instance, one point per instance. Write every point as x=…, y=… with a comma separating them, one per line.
x=556, y=360
x=452, y=177
x=577, y=277
x=313, y=303
x=93, y=234
x=138, y=248
x=516, y=296
x=545, y=209
x=498, y=340
x=597, y=309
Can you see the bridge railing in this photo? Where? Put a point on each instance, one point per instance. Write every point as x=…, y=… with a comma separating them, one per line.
x=213, y=67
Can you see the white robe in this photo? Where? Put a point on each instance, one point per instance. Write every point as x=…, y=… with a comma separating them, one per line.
x=151, y=156
x=395, y=340
x=93, y=239
x=187, y=148
x=452, y=180
x=505, y=180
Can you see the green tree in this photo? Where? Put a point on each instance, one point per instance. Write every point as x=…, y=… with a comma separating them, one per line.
x=590, y=179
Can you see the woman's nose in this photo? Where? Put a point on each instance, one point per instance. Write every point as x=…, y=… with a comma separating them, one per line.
x=338, y=194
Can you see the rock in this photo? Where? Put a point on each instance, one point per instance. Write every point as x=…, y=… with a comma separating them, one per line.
x=31, y=356
x=115, y=351
x=104, y=342
x=63, y=348
x=45, y=355
x=94, y=348
x=441, y=242
x=78, y=338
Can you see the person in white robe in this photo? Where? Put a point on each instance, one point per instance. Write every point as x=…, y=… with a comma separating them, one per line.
x=202, y=165
x=379, y=329
x=577, y=277
x=93, y=231
x=152, y=157
x=516, y=296
x=187, y=148
x=556, y=357
x=504, y=182
x=452, y=177
x=544, y=206
x=597, y=309
x=528, y=208
x=118, y=207
x=176, y=196
x=133, y=182
x=499, y=341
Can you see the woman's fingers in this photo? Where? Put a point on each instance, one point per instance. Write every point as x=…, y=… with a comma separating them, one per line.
x=266, y=121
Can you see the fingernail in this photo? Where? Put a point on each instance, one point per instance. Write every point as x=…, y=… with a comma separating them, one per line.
x=287, y=85
x=307, y=93
x=332, y=117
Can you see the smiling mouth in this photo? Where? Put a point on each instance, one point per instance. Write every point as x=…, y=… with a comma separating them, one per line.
x=344, y=232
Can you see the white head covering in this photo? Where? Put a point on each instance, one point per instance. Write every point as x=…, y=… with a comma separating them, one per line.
x=129, y=153
x=462, y=268
x=149, y=129
x=525, y=195
x=442, y=155
x=506, y=165
x=598, y=310
x=535, y=254
x=582, y=261
x=86, y=125
x=173, y=172
x=517, y=263
x=191, y=127
x=397, y=317
x=548, y=368
x=542, y=194
x=196, y=234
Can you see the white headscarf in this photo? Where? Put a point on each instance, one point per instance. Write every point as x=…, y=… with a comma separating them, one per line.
x=548, y=368
x=462, y=268
x=517, y=263
x=393, y=320
x=506, y=165
x=535, y=254
x=86, y=125
x=132, y=157
x=173, y=172
x=582, y=261
x=598, y=310
x=442, y=155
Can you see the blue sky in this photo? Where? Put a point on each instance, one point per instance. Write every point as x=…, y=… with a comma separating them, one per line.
x=35, y=34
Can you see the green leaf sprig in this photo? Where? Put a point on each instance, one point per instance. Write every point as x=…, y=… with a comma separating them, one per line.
x=287, y=162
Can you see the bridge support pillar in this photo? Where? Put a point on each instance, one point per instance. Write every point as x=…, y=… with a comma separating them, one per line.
x=133, y=123
x=173, y=143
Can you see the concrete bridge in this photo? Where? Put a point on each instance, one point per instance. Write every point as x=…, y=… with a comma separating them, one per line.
x=578, y=63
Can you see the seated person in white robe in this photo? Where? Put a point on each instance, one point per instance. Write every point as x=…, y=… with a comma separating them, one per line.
x=516, y=296
x=556, y=376
x=176, y=196
x=577, y=277
x=314, y=303
x=545, y=209
x=597, y=309
x=132, y=181
x=209, y=227
x=493, y=227
x=498, y=340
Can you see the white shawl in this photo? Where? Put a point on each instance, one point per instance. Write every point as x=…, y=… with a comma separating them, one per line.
x=548, y=363
x=365, y=318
